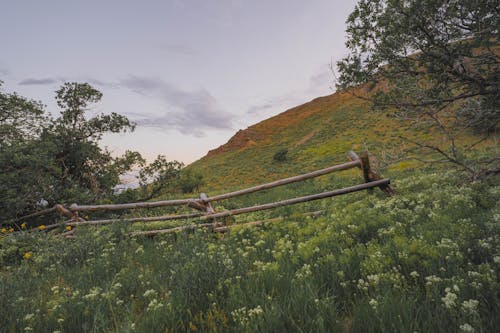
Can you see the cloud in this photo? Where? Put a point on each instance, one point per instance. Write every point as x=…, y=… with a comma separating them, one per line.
x=190, y=112
x=35, y=82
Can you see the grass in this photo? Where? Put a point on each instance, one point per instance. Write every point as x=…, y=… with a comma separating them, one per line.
x=425, y=260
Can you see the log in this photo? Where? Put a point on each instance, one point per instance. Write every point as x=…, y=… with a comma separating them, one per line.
x=293, y=201
x=64, y=211
x=132, y=205
x=41, y=212
x=206, y=202
x=317, y=173
x=193, y=201
x=137, y=219
x=176, y=229
x=368, y=173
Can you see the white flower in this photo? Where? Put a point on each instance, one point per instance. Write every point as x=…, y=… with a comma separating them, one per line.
x=149, y=292
x=373, y=303
x=29, y=316
x=449, y=300
x=470, y=306
x=414, y=274
x=466, y=328
x=93, y=293
x=154, y=305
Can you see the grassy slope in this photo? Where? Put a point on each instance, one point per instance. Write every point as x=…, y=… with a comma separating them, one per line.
x=424, y=260
x=317, y=134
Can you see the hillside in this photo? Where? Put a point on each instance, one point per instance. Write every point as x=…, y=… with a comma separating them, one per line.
x=316, y=134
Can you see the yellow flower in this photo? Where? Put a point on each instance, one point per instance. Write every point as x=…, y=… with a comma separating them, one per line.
x=27, y=255
x=42, y=227
x=68, y=227
x=3, y=230
x=23, y=226
x=11, y=230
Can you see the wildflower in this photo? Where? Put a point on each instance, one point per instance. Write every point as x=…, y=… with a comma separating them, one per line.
x=11, y=230
x=3, y=230
x=449, y=300
x=68, y=228
x=414, y=274
x=23, y=226
x=149, y=292
x=470, y=306
x=27, y=255
x=466, y=328
x=93, y=293
x=42, y=227
x=255, y=311
x=154, y=305
x=373, y=303
x=29, y=316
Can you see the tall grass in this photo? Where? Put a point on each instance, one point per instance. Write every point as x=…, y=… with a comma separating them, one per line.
x=425, y=260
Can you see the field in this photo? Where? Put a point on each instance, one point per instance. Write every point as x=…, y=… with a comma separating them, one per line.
x=425, y=260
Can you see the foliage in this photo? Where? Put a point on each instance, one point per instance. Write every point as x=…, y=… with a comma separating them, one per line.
x=280, y=155
x=158, y=176
x=437, y=63
x=21, y=119
x=47, y=161
x=426, y=260
x=189, y=181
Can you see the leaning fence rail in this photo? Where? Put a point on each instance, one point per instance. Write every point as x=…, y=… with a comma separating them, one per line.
x=204, y=203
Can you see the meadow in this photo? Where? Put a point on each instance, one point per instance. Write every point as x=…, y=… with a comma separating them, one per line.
x=425, y=260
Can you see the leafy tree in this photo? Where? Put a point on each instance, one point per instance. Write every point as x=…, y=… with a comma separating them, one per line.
x=82, y=162
x=436, y=62
x=21, y=119
x=158, y=176
x=57, y=160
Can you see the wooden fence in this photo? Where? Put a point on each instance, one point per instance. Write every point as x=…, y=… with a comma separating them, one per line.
x=203, y=204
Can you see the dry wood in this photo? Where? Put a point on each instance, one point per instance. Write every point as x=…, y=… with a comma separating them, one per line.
x=64, y=211
x=176, y=229
x=299, y=199
x=368, y=173
x=133, y=205
x=206, y=202
x=317, y=173
x=137, y=219
x=41, y=212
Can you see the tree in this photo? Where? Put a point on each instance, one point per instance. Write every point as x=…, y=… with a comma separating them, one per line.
x=83, y=163
x=57, y=160
x=434, y=62
x=21, y=119
x=158, y=176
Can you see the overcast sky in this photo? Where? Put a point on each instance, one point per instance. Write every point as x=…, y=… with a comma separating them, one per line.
x=189, y=73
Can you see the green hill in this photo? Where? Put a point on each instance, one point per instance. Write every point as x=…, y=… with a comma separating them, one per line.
x=316, y=134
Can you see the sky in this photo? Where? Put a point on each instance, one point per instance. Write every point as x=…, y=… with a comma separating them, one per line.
x=189, y=73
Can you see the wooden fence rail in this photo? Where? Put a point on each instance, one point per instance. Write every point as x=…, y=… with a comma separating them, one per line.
x=205, y=209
